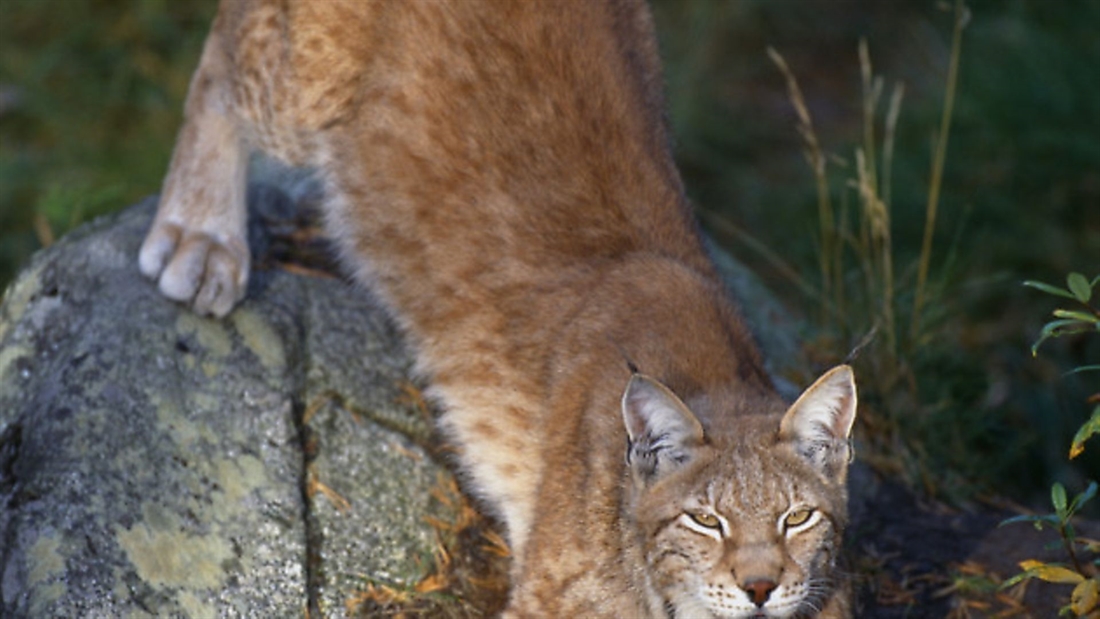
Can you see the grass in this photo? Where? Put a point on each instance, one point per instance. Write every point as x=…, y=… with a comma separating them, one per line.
x=856, y=247
x=889, y=231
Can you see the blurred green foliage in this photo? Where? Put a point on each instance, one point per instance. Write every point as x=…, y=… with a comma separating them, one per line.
x=91, y=96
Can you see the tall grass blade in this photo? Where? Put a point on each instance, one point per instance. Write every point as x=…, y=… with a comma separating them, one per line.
x=962, y=16
x=890, y=132
x=815, y=156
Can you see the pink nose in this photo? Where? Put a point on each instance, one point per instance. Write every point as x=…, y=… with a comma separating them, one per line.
x=760, y=590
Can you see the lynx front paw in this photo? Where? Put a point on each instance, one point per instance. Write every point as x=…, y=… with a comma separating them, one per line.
x=207, y=271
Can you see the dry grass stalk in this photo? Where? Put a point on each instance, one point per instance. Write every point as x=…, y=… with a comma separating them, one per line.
x=962, y=17
x=890, y=132
x=872, y=92
x=875, y=210
x=815, y=156
x=43, y=230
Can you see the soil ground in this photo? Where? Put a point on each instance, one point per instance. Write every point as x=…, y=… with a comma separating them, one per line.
x=916, y=559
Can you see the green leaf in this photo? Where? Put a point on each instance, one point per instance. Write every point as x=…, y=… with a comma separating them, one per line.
x=1038, y=520
x=1084, y=368
x=1079, y=316
x=1084, y=433
x=1047, y=288
x=1051, y=329
x=1079, y=286
x=1058, y=499
x=1086, y=496
x=1019, y=519
x=1015, y=579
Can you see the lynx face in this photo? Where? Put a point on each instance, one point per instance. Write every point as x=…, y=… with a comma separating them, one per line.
x=746, y=539
x=748, y=526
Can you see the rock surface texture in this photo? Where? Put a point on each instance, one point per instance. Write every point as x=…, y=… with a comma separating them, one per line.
x=153, y=462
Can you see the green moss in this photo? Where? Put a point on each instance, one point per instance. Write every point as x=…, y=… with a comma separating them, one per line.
x=240, y=476
x=195, y=606
x=44, y=597
x=211, y=335
x=183, y=430
x=9, y=354
x=166, y=555
x=18, y=295
x=47, y=561
x=260, y=338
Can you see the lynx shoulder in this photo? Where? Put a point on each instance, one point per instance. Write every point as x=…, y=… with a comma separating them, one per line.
x=499, y=173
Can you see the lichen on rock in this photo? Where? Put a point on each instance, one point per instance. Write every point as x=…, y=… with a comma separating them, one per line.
x=154, y=462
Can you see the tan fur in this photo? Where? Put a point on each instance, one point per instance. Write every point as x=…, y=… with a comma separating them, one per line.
x=499, y=172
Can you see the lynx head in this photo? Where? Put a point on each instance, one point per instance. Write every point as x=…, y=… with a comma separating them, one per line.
x=746, y=525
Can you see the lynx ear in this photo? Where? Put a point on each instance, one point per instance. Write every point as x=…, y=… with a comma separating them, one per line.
x=663, y=432
x=820, y=421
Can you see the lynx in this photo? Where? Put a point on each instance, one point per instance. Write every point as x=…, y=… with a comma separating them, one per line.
x=499, y=173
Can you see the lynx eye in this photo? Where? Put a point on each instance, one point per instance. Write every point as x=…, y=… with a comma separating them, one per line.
x=709, y=521
x=797, y=518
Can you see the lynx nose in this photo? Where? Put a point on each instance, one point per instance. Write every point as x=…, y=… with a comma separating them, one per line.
x=760, y=590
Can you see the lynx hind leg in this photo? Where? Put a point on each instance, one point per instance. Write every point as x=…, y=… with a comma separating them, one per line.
x=197, y=248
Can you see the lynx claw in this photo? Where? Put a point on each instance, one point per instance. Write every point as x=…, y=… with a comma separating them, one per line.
x=224, y=282
x=158, y=247
x=196, y=268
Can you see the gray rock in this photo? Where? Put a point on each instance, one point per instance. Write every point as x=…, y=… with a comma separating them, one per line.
x=153, y=462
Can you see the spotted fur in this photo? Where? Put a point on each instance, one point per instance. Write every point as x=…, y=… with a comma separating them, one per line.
x=499, y=173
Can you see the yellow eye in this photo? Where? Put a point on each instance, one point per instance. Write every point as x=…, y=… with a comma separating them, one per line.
x=797, y=518
x=709, y=521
